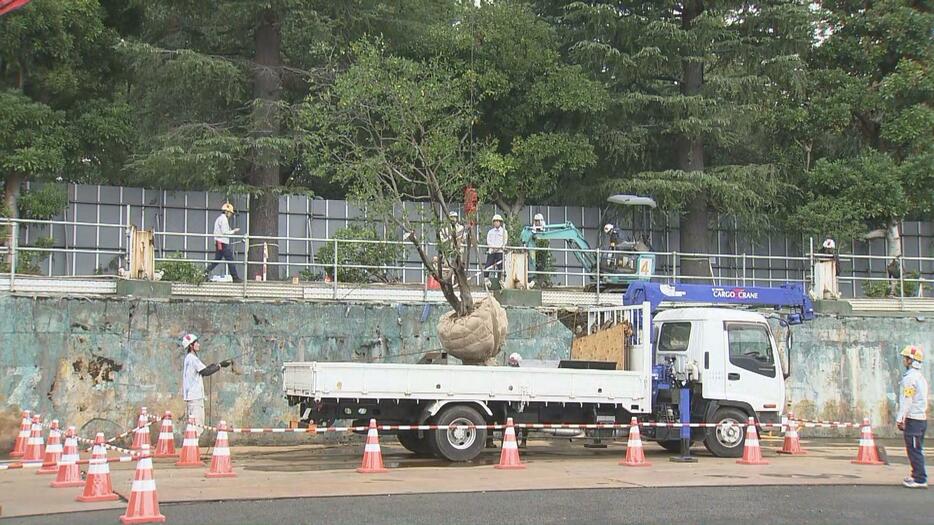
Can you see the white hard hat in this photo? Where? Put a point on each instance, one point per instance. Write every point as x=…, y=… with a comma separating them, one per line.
x=607, y=228
x=453, y=214
x=829, y=244
x=514, y=358
x=188, y=340
x=497, y=217
x=913, y=352
x=539, y=217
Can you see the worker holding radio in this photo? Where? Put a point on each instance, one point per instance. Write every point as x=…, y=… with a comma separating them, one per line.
x=222, y=250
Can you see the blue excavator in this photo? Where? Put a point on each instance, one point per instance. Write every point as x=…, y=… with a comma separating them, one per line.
x=621, y=260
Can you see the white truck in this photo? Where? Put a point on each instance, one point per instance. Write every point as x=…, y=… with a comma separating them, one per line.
x=727, y=359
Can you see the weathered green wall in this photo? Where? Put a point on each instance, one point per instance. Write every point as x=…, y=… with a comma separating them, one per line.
x=92, y=363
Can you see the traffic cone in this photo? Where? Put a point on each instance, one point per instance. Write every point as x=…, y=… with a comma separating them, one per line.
x=791, y=444
x=141, y=434
x=752, y=453
x=220, y=458
x=509, y=457
x=165, y=447
x=635, y=454
x=53, y=451
x=69, y=475
x=143, y=505
x=867, y=454
x=433, y=283
x=190, y=456
x=372, y=456
x=35, y=446
x=97, y=486
x=19, y=447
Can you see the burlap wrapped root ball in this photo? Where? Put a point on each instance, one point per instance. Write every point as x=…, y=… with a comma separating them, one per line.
x=477, y=338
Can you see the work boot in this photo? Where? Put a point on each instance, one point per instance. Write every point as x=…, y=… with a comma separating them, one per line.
x=912, y=484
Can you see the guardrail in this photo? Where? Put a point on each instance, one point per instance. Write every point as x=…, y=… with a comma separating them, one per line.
x=723, y=268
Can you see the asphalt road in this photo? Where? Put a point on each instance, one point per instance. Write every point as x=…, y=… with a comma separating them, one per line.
x=850, y=505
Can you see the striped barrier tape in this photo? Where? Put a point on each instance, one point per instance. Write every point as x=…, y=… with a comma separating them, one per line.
x=312, y=429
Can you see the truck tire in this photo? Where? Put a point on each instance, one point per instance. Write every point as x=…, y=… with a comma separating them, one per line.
x=727, y=439
x=458, y=444
x=413, y=443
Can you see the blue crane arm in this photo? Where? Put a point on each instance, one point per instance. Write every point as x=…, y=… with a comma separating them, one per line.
x=787, y=295
x=563, y=232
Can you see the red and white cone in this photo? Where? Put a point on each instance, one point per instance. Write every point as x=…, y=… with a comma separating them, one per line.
x=509, y=456
x=752, y=453
x=791, y=445
x=141, y=434
x=97, y=486
x=35, y=445
x=165, y=447
x=190, y=456
x=220, y=458
x=69, y=475
x=867, y=454
x=372, y=456
x=53, y=451
x=635, y=454
x=143, y=505
x=19, y=447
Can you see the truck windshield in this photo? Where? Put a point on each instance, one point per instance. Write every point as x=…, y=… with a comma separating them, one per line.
x=674, y=337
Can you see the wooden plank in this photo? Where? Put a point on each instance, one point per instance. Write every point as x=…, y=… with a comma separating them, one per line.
x=607, y=345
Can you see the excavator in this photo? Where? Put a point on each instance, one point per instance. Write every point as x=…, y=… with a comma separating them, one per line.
x=621, y=262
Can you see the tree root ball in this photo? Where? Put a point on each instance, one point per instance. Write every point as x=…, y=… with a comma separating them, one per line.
x=478, y=337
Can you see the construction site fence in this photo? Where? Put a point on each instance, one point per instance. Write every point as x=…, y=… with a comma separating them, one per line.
x=914, y=277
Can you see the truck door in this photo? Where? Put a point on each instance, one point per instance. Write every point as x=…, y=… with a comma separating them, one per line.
x=751, y=368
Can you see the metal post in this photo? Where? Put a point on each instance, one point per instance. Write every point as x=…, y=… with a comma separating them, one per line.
x=744, y=268
x=334, y=280
x=684, y=407
x=246, y=262
x=14, y=240
x=674, y=267
x=598, y=275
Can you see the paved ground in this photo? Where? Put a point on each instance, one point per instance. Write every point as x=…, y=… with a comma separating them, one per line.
x=852, y=505
x=325, y=471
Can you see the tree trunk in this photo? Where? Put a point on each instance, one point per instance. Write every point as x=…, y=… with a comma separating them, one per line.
x=11, y=194
x=264, y=172
x=693, y=220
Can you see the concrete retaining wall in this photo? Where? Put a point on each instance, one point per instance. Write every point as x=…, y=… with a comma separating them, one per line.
x=92, y=363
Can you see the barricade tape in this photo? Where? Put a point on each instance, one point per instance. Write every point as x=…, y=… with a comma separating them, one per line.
x=312, y=429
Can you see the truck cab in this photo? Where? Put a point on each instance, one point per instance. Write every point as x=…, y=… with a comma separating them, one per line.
x=730, y=361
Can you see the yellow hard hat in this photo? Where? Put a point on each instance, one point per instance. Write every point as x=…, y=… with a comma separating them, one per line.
x=497, y=217
x=913, y=352
x=227, y=207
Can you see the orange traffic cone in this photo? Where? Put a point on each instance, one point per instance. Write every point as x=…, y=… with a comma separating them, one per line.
x=53, y=451
x=141, y=434
x=97, y=486
x=792, y=445
x=165, y=447
x=867, y=454
x=69, y=475
x=752, y=453
x=372, y=456
x=220, y=458
x=35, y=446
x=509, y=457
x=191, y=456
x=635, y=454
x=433, y=283
x=19, y=447
x=143, y=505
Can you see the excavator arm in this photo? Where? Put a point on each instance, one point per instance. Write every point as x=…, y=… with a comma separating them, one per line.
x=568, y=233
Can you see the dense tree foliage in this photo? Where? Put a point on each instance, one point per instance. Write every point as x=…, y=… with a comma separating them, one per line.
x=814, y=116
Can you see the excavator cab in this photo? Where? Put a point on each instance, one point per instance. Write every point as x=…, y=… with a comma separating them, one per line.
x=624, y=241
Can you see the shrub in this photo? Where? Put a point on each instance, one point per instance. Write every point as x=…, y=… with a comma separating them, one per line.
x=43, y=203
x=369, y=254
x=180, y=270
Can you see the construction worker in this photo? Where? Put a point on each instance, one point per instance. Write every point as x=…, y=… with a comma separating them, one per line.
x=453, y=237
x=496, y=240
x=193, y=374
x=538, y=223
x=539, y=256
x=912, y=414
x=514, y=360
x=222, y=250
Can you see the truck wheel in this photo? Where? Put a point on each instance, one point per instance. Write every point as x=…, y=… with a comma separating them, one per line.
x=413, y=443
x=458, y=444
x=726, y=440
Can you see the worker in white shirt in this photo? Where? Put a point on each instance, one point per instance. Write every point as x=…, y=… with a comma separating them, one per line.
x=222, y=250
x=496, y=240
x=193, y=374
x=912, y=414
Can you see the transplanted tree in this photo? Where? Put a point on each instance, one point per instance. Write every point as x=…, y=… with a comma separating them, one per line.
x=392, y=130
x=688, y=81
x=873, y=83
